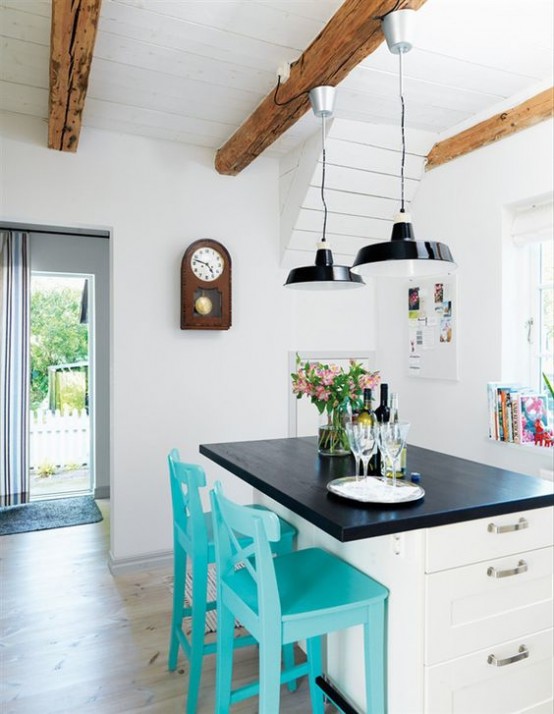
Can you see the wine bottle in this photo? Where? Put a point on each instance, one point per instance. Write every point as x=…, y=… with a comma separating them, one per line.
x=394, y=419
x=366, y=415
x=382, y=412
x=393, y=407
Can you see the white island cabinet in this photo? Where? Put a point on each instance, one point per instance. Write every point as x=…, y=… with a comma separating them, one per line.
x=468, y=568
x=470, y=614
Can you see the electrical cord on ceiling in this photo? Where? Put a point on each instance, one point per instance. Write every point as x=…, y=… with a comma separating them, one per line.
x=380, y=17
x=283, y=104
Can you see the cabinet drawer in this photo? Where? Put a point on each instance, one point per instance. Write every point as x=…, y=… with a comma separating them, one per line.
x=462, y=543
x=475, y=685
x=472, y=607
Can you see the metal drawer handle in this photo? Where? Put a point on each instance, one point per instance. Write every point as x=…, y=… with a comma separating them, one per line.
x=521, y=568
x=523, y=653
x=519, y=526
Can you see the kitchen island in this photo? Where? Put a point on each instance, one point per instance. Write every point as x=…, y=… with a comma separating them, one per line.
x=469, y=569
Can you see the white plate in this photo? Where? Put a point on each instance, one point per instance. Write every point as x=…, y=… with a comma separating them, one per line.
x=373, y=490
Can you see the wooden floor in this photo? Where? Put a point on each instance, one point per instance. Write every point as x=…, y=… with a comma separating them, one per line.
x=76, y=640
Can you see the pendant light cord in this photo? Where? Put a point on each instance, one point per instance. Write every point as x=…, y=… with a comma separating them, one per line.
x=284, y=104
x=323, y=239
x=403, y=131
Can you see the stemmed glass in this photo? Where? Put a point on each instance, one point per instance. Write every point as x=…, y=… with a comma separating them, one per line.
x=355, y=447
x=364, y=438
x=392, y=439
x=368, y=442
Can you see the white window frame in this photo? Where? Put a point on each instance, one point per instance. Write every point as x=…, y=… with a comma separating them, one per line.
x=532, y=227
x=539, y=288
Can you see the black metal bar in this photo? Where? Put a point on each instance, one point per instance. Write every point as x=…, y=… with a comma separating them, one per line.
x=335, y=696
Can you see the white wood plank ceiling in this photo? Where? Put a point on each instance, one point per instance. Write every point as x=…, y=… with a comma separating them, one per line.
x=193, y=70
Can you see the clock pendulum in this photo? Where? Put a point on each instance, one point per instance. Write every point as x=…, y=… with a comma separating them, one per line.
x=203, y=305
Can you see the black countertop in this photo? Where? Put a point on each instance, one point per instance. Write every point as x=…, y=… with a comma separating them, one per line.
x=292, y=473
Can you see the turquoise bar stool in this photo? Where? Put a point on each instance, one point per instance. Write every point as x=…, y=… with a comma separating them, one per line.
x=193, y=541
x=299, y=595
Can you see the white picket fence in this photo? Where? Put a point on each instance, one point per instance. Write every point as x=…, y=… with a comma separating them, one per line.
x=59, y=439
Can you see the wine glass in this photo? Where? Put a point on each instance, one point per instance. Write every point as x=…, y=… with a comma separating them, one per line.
x=392, y=439
x=367, y=440
x=353, y=434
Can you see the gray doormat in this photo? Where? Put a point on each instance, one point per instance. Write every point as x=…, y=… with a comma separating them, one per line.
x=56, y=513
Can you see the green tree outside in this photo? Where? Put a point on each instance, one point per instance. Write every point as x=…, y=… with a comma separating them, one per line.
x=57, y=337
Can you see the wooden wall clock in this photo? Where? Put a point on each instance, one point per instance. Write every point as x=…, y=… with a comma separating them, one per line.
x=206, y=286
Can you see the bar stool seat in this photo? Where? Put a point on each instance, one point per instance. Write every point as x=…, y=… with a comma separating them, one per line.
x=299, y=595
x=193, y=541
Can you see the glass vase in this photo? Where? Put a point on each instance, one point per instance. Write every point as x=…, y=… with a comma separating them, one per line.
x=332, y=437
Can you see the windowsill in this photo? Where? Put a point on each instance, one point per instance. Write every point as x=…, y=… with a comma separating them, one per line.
x=533, y=456
x=531, y=448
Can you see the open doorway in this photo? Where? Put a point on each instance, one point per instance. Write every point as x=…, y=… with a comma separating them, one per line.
x=62, y=398
x=86, y=256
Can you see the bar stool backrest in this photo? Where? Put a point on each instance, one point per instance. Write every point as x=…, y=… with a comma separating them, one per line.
x=247, y=570
x=189, y=523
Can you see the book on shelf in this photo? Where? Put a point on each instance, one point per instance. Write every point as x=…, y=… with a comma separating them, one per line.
x=516, y=413
x=533, y=416
x=501, y=397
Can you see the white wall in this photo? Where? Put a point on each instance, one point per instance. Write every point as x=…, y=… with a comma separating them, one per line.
x=172, y=387
x=463, y=204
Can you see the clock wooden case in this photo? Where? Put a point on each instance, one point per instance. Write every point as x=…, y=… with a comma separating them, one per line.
x=206, y=286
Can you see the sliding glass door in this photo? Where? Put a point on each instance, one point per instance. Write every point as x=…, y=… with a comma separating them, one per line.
x=61, y=433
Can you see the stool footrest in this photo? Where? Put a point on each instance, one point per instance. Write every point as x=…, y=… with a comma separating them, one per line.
x=336, y=698
x=250, y=690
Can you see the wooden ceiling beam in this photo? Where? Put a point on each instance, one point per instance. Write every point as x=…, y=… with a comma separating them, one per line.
x=353, y=33
x=528, y=113
x=72, y=38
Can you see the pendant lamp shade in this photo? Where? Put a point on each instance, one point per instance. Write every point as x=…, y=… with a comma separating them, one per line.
x=324, y=274
x=403, y=255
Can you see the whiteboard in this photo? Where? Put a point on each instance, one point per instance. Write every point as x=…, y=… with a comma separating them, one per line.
x=432, y=326
x=303, y=415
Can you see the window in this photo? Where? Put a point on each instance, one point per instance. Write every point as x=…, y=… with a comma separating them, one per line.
x=527, y=330
x=544, y=332
x=532, y=233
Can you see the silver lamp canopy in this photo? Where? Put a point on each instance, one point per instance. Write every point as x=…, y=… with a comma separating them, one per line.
x=403, y=255
x=322, y=100
x=398, y=28
x=324, y=274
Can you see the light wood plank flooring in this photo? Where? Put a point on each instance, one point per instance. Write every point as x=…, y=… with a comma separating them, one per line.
x=74, y=639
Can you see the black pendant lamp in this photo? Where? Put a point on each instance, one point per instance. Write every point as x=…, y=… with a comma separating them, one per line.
x=403, y=255
x=324, y=274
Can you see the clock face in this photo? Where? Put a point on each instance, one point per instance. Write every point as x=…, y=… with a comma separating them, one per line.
x=207, y=264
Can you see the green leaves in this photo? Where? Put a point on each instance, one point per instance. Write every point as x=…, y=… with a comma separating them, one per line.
x=57, y=337
x=548, y=384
